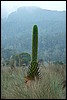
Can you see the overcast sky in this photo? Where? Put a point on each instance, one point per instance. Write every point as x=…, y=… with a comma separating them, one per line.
x=10, y=6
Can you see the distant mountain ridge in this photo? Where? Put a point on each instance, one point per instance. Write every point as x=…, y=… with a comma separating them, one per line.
x=16, y=30
x=37, y=13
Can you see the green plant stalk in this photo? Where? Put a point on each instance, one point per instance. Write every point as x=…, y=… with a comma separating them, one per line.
x=33, y=69
x=35, y=43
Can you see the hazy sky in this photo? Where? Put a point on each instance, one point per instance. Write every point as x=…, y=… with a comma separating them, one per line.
x=10, y=6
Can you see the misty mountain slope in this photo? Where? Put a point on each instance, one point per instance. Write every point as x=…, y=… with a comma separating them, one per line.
x=16, y=32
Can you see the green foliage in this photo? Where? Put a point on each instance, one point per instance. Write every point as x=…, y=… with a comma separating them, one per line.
x=22, y=58
x=35, y=43
x=33, y=68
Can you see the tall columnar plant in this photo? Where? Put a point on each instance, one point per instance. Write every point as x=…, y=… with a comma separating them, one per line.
x=33, y=70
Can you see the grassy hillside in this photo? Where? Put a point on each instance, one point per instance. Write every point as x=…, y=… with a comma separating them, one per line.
x=49, y=85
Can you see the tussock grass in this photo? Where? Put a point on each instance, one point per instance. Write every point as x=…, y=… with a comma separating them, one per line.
x=48, y=87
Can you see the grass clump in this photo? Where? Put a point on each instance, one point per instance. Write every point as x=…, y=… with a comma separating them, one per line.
x=48, y=87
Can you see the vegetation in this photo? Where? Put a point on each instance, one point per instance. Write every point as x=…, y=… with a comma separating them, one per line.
x=33, y=68
x=48, y=55
x=16, y=60
x=22, y=58
x=35, y=43
x=48, y=87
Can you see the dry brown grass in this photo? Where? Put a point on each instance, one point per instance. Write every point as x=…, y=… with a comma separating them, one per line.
x=47, y=87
